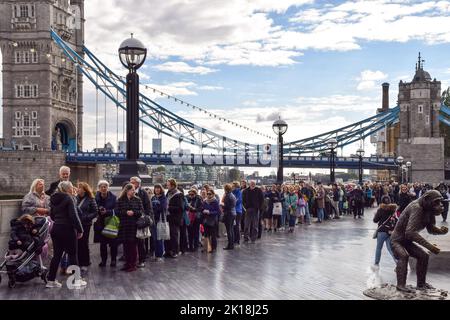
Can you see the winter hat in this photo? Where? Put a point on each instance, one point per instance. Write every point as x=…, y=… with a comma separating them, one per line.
x=386, y=199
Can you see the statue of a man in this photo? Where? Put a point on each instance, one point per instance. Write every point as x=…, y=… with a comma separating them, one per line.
x=58, y=139
x=418, y=215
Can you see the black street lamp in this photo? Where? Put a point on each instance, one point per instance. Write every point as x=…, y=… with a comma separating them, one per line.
x=280, y=127
x=400, y=160
x=360, y=153
x=132, y=54
x=332, y=143
x=409, y=172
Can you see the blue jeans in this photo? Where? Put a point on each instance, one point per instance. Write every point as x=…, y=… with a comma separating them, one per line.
x=307, y=215
x=292, y=220
x=383, y=237
x=158, y=244
x=283, y=217
x=320, y=214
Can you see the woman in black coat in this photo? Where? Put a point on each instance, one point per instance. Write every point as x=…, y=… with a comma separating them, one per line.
x=129, y=209
x=88, y=212
x=106, y=202
x=67, y=228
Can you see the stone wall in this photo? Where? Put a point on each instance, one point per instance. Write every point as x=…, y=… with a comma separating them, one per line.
x=9, y=209
x=426, y=156
x=18, y=169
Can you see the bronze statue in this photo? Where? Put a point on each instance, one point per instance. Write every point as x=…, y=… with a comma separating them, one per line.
x=418, y=215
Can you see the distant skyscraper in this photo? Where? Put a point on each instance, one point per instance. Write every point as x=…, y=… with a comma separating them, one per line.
x=157, y=145
x=122, y=148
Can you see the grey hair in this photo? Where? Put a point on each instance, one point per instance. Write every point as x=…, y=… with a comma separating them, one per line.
x=64, y=168
x=137, y=179
x=64, y=186
x=34, y=184
x=102, y=182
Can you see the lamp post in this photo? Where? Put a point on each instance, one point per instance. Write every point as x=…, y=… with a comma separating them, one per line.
x=132, y=54
x=409, y=168
x=280, y=127
x=360, y=153
x=332, y=143
x=400, y=160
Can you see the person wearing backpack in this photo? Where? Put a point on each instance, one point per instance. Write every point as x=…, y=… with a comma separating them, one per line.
x=386, y=219
x=106, y=203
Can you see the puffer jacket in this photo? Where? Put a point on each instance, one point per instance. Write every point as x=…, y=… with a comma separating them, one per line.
x=383, y=215
x=64, y=211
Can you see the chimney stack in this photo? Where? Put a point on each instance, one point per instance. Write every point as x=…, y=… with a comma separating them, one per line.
x=385, y=105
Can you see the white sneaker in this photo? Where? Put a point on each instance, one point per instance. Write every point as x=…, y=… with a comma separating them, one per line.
x=80, y=283
x=375, y=268
x=53, y=284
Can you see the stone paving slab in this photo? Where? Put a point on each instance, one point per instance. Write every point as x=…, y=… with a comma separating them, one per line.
x=322, y=261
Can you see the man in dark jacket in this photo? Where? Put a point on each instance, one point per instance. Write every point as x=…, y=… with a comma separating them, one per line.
x=143, y=244
x=175, y=203
x=64, y=175
x=252, y=200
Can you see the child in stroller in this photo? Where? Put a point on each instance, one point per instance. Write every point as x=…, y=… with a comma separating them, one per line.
x=24, y=232
x=23, y=261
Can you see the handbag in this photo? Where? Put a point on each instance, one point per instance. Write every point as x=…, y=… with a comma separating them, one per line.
x=111, y=229
x=143, y=233
x=163, y=229
x=144, y=221
x=375, y=234
x=277, y=209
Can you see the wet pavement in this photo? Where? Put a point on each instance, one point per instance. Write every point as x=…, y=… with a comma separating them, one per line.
x=321, y=261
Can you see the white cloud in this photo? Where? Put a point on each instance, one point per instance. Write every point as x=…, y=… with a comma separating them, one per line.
x=173, y=89
x=369, y=79
x=183, y=67
x=210, y=88
x=344, y=26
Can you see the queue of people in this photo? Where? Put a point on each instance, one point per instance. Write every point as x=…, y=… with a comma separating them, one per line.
x=164, y=222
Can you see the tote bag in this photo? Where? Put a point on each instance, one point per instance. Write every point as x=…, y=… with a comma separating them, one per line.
x=143, y=233
x=162, y=228
x=277, y=209
x=111, y=229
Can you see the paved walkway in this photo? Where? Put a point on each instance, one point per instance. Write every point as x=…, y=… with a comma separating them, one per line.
x=321, y=261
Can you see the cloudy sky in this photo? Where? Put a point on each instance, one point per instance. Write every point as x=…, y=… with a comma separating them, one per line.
x=317, y=64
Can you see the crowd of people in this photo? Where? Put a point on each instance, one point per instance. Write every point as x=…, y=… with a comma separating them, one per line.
x=164, y=222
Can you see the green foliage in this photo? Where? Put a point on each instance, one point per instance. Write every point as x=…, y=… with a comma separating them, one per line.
x=234, y=175
x=444, y=129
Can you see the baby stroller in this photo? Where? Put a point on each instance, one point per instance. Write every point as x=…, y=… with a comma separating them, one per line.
x=29, y=264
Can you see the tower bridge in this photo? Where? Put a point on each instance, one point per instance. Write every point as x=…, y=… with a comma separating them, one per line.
x=45, y=62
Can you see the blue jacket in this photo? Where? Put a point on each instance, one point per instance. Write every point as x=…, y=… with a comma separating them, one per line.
x=159, y=205
x=238, y=194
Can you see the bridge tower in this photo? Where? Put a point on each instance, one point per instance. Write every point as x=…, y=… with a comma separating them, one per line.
x=42, y=90
x=420, y=141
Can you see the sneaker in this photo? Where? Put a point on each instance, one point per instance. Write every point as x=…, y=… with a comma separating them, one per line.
x=80, y=283
x=375, y=268
x=141, y=265
x=53, y=284
x=159, y=259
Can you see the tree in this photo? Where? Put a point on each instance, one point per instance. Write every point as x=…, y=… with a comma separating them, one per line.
x=160, y=169
x=444, y=129
x=234, y=175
